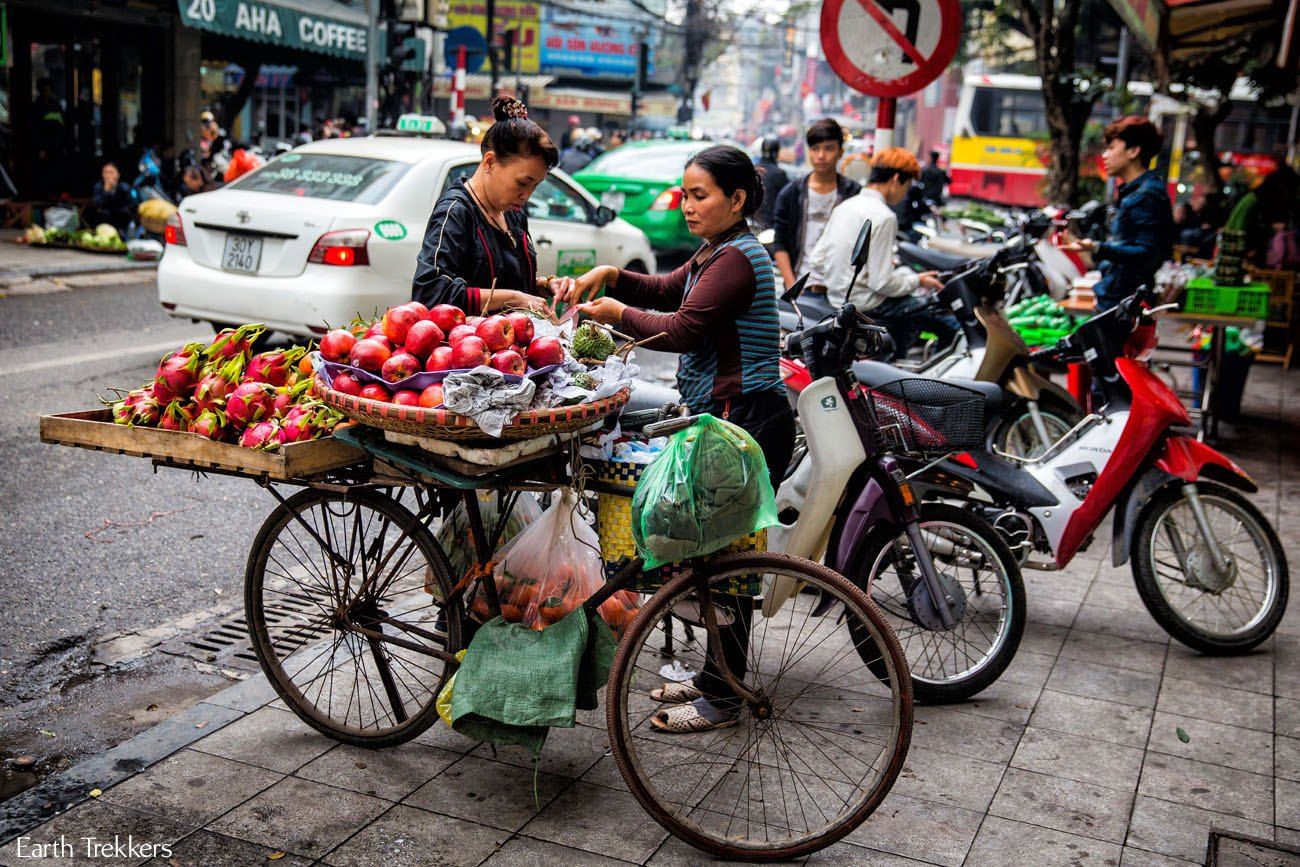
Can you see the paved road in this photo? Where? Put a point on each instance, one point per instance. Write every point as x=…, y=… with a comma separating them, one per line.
x=98, y=547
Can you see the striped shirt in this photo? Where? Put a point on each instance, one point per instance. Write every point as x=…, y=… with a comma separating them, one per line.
x=723, y=321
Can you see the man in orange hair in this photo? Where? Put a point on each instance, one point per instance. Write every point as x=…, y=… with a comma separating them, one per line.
x=887, y=293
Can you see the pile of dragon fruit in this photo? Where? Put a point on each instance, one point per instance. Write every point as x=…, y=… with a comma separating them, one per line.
x=223, y=392
x=411, y=339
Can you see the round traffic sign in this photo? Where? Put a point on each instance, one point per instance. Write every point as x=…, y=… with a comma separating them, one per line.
x=890, y=47
x=475, y=48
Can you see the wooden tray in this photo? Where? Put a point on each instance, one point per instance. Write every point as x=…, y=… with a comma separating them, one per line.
x=94, y=429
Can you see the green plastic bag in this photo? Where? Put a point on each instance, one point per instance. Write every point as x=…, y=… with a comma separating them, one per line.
x=707, y=488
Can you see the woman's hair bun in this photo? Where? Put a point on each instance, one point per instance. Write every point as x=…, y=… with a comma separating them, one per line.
x=509, y=108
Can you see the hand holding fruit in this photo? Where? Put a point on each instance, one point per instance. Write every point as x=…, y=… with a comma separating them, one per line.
x=606, y=310
x=588, y=285
x=497, y=299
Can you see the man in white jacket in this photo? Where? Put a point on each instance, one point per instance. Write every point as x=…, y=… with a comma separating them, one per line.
x=888, y=293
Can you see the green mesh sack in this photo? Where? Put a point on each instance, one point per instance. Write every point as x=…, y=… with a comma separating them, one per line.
x=706, y=489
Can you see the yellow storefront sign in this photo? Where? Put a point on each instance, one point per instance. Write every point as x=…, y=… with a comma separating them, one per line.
x=508, y=15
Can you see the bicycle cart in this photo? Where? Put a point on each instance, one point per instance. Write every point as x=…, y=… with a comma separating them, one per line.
x=827, y=706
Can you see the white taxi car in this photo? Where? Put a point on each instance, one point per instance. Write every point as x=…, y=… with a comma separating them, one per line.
x=333, y=228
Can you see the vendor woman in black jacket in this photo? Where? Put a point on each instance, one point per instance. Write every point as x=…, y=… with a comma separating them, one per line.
x=477, y=252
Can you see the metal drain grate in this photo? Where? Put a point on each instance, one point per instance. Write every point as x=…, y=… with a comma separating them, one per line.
x=229, y=640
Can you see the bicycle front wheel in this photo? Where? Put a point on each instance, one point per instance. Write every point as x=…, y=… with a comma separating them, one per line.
x=341, y=594
x=807, y=762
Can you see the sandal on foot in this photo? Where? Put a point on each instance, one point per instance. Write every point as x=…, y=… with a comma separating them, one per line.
x=676, y=693
x=698, y=716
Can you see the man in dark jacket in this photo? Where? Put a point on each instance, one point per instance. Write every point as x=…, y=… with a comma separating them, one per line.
x=804, y=207
x=774, y=181
x=1142, y=233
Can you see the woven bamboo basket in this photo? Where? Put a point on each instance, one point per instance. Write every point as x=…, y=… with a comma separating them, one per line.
x=443, y=424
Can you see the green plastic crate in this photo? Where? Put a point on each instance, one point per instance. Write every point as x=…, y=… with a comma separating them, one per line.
x=1203, y=295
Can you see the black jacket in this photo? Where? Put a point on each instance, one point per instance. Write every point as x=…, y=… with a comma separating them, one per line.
x=1141, y=239
x=787, y=220
x=774, y=181
x=463, y=253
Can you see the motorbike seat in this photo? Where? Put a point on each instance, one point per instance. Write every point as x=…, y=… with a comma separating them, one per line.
x=933, y=260
x=876, y=373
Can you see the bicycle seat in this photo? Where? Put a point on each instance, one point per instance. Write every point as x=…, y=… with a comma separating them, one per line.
x=933, y=260
x=876, y=373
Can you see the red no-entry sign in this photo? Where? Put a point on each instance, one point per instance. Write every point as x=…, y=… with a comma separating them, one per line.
x=890, y=48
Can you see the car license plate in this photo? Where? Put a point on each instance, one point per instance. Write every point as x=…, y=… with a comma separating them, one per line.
x=243, y=253
x=613, y=199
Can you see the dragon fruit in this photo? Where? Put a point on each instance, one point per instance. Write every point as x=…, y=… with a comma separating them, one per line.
x=217, y=382
x=146, y=412
x=308, y=421
x=249, y=402
x=177, y=416
x=124, y=408
x=274, y=367
x=177, y=373
x=233, y=342
x=287, y=397
x=211, y=423
x=264, y=435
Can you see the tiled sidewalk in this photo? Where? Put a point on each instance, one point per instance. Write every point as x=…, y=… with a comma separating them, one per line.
x=1071, y=758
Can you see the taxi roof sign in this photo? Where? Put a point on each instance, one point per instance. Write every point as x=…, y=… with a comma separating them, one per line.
x=421, y=124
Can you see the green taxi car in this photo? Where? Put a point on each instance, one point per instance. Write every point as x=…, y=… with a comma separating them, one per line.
x=642, y=181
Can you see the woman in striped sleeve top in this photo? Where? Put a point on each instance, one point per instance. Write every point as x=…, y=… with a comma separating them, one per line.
x=719, y=311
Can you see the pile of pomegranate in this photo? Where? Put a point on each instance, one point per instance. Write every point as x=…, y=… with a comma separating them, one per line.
x=410, y=339
x=223, y=392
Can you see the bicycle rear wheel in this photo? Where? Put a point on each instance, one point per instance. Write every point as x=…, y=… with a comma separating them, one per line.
x=341, y=594
x=805, y=766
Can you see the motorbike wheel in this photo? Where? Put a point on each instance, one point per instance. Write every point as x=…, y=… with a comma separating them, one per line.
x=1015, y=433
x=979, y=569
x=1215, y=614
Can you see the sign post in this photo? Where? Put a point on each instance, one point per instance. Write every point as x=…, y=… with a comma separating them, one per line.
x=889, y=48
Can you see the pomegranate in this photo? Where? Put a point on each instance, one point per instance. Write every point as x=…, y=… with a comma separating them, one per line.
x=407, y=397
x=440, y=359
x=346, y=383
x=545, y=351
x=369, y=355
x=496, y=332
x=447, y=317
x=375, y=391
x=177, y=373
x=470, y=352
x=234, y=341
x=509, y=361
x=431, y=397
x=249, y=402
x=423, y=338
x=522, y=323
x=398, y=321
x=337, y=345
x=399, y=366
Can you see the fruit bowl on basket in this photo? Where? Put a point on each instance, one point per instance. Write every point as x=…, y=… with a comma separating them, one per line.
x=441, y=423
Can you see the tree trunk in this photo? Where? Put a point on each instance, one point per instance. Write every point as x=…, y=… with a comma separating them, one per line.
x=1063, y=165
x=1205, y=125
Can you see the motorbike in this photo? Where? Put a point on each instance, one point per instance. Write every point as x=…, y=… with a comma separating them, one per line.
x=941, y=573
x=1033, y=413
x=1207, y=564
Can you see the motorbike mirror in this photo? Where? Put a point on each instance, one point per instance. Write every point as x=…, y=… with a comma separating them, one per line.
x=792, y=294
x=861, y=251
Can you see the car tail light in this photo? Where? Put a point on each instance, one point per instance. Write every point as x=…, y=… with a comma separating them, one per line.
x=174, y=231
x=669, y=200
x=345, y=248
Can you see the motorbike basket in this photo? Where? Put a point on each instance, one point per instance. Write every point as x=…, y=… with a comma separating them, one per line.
x=927, y=416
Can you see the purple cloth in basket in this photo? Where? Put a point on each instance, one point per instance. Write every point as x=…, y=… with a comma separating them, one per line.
x=415, y=382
